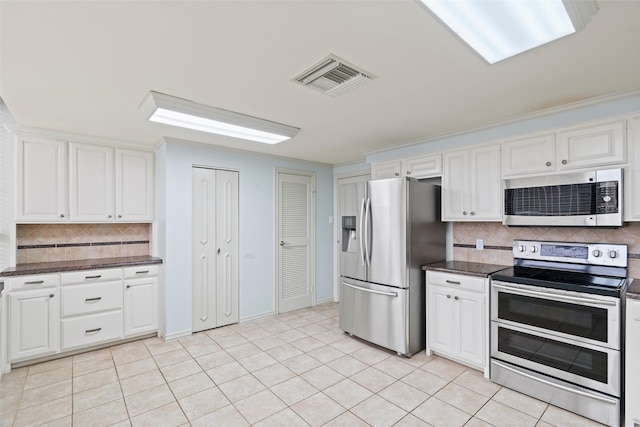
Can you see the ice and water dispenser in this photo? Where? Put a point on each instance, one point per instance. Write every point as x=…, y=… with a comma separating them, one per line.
x=349, y=234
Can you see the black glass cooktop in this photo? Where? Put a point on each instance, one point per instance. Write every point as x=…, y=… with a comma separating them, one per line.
x=560, y=279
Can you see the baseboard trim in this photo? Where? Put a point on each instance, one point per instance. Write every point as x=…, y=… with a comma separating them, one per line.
x=176, y=335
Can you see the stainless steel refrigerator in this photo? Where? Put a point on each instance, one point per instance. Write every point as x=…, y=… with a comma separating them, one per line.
x=390, y=229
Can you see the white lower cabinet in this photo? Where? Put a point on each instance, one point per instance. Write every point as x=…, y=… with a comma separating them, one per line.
x=140, y=305
x=457, y=317
x=34, y=319
x=632, y=368
x=57, y=313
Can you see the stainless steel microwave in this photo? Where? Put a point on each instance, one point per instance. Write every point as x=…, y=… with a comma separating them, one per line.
x=582, y=199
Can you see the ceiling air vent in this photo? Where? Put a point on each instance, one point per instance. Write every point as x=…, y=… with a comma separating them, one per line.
x=333, y=76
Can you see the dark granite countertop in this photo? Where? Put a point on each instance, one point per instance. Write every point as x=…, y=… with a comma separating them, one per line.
x=83, y=264
x=467, y=268
x=633, y=291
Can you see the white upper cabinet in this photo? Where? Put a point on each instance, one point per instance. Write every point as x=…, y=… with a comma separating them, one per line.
x=416, y=167
x=471, y=185
x=632, y=174
x=595, y=145
x=536, y=154
x=91, y=183
x=134, y=185
x=41, y=180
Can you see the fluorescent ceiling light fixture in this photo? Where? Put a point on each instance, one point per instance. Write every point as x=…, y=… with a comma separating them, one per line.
x=170, y=110
x=500, y=29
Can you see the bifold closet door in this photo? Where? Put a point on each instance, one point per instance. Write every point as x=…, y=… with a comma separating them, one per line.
x=215, y=248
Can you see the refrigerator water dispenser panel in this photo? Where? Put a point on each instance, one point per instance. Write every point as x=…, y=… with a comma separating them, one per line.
x=349, y=234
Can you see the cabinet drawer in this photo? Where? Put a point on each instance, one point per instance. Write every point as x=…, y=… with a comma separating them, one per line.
x=141, y=271
x=457, y=281
x=91, y=276
x=84, y=299
x=33, y=282
x=93, y=329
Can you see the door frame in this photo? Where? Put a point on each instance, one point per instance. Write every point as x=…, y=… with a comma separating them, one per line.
x=337, y=229
x=312, y=226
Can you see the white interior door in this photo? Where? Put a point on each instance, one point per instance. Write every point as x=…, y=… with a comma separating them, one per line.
x=295, y=240
x=214, y=248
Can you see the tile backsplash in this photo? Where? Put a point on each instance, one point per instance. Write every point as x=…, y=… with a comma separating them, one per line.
x=498, y=240
x=66, y=242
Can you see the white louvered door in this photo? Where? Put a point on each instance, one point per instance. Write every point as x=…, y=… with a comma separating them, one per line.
x=215, y=248
x=295, y=232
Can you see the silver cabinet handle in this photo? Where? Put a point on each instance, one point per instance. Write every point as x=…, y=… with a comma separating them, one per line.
x=389, y=294
x=93, y=277
x=548, y=164
x=396, y=174
x=61, y=215
x=109, y=216
x=128, y=286
x=564, y=162
x=51, y=295
x=464, y=212
x=35, y=282
x=91, y=331
x=119, y=216
x=448, y=296
x=142, y=272
x=453, y=282
x=456, y=298
x=473, y=213
x=92, y=299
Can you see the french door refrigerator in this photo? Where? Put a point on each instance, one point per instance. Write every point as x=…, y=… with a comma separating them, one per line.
x=390, y=229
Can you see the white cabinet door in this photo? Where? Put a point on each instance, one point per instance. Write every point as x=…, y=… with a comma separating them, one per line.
x=91, y=183
x=423, y=166
x=535, y=154
x=440, y=328
x=632, y=371
x=41, y=180
x=134, y=186
x=485, y=185
x=140, y=305
x=34, y=323
x=455, y=198
x=384, y=170
x=469, y=314
x=590, y=146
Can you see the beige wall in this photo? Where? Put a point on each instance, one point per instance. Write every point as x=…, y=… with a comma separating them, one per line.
x=498, y=240
x=66, y=242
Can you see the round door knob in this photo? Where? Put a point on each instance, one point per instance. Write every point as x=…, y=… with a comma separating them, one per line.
x=119, y=216
x=613, y=254
x=564, y=162
x=473, y=213
x=548, y=163
x=61, y=215
x=597, y=253
x=51, y=295
x=464, y=212
x=456, y=298
x=396, y=174
x=448, y=296
x=109, y=216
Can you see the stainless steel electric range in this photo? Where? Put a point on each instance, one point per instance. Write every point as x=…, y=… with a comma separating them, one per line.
x=557, y=326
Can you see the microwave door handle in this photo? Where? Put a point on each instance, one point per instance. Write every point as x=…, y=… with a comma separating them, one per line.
x=363, y=255
x=556, y=296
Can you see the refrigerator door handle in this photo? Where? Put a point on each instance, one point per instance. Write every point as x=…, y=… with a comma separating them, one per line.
x=367, y=222
x=373, y=291
x=363, y=255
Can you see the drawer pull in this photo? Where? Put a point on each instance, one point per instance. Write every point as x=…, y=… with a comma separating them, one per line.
x=51, y=295
x=35, y=282
x=128, y=286
x=453, y=282
x=142, y=272
x=93, y=299
x=91, y=331
x=93, y=277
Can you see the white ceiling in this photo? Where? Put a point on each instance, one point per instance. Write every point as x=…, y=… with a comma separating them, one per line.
x=85, y=66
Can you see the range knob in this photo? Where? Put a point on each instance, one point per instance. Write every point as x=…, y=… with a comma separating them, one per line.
x=597, y=253
x=533, y=249
x=522, y=248
x=613, y=254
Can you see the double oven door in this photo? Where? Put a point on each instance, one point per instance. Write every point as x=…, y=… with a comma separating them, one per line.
x=563, y=334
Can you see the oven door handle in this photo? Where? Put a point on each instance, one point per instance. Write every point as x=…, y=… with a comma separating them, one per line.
x=560, y=386
x=556, y=297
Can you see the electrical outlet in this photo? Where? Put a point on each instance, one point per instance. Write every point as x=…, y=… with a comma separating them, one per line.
x=479, y=244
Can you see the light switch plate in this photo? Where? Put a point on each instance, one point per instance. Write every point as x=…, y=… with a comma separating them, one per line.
x=479, y=244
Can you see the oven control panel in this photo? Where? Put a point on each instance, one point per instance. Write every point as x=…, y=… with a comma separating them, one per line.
x=582, y=253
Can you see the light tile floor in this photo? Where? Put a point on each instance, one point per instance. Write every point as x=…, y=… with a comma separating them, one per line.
x=295, y=369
